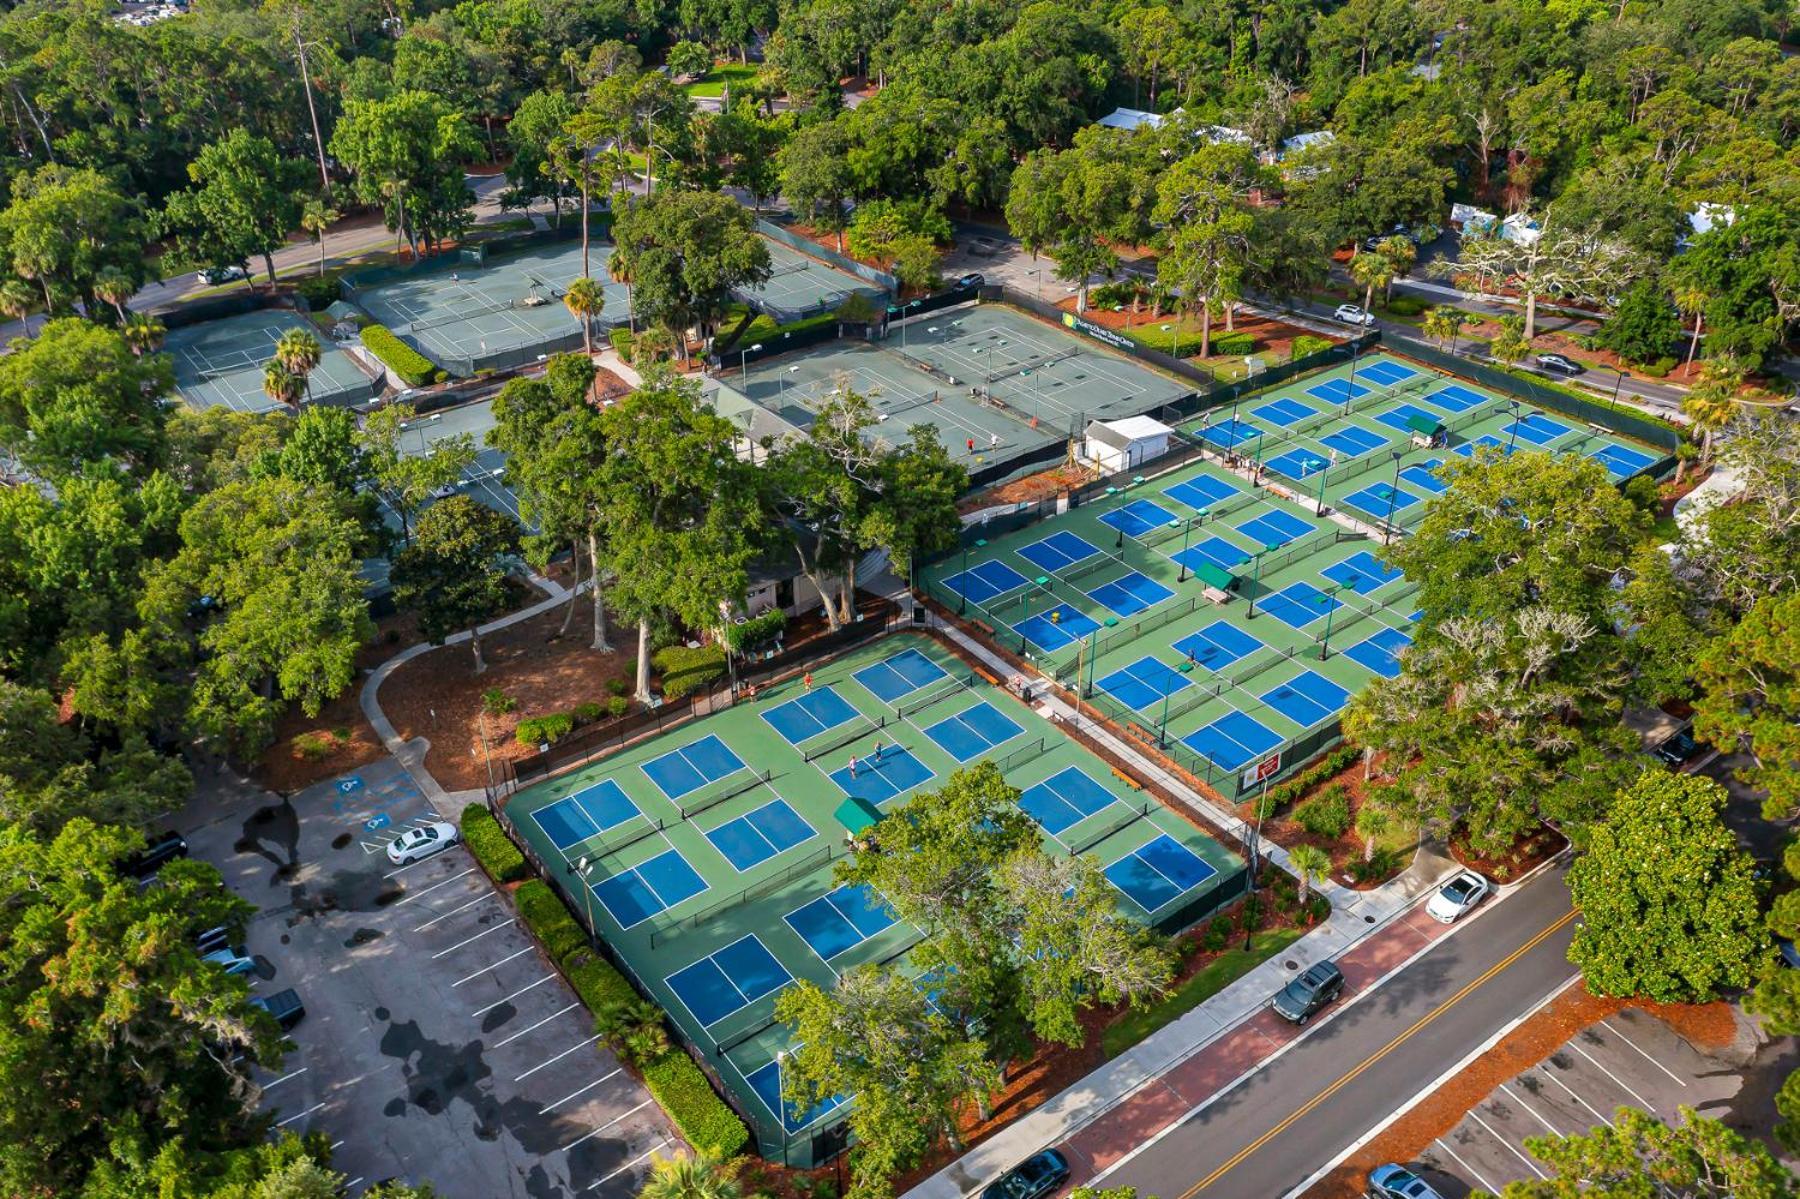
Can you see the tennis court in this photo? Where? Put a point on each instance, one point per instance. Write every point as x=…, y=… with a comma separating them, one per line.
x=710, y=848
x=1230, y=622
x=504, y=311
x=219, y=364
x=799, y=287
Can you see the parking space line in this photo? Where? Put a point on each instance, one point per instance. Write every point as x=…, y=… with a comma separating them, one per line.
x=353, y=1182
x=337, y=1144
x=1645, y=1103
x=285, y=1077
x=1476, y=1174
x=409, y=866
x=471, y=940
x=433, y=887
x=539, y=1024
x=545, y=1110
x=1516, y=1151
x=453, y=911
x=559, y=1057
x=300, y=1115
x=509, y=957
x=634, y=1161
x=528, y=986
x=1537, y=1115
x=594, y=1132
x=1577, y=1098
x=1679, y=1081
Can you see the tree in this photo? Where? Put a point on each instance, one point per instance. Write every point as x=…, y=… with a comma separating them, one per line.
x=1076, y=203
x=316, y=216
x=1749, y=274
x=689, y=251
x=281, y=384
x=1400, y=254
x=453, y=572
x=1669, y=903
x=585, y=299
x=406, y=152
x=1746, y=550
x=822, y=488
x=1310, y=863
x=1635, y=1154
x=404, y=477
x=1372, y=269
x=1558, y=262
x=52, y=773
x=1643, y=327
x=1749, y=680
x=299, y=353
x=1201, y=200
x=690, y=1175
x=1711, y=405
x=65, y=228
x=77, y=396
x=1443, y=323
x=533, y=132
x=1510, y=344
x=815, y=175
x=245, y=201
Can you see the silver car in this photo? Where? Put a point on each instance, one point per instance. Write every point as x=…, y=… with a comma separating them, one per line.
x=422, y=842
x=1397, y=1182
x=1457, y=896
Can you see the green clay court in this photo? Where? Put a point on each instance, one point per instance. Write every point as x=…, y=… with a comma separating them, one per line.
x=711, y=848
x=1229, y=624
x=799, y=287
x=219, y=364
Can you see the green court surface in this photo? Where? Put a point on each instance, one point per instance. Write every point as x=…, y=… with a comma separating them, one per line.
x=711, y=848
x=1230, y=623
x=219, y=363
x=799, y=287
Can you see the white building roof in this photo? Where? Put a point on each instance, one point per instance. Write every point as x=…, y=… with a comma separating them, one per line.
x=1708, y=216
x=1132, y=118
x=1521, y=229
x=1304, y=141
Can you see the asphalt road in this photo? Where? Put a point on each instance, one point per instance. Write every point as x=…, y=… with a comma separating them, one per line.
x=1272, y=1130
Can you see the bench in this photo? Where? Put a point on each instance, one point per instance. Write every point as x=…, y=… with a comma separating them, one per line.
x=1216, y=595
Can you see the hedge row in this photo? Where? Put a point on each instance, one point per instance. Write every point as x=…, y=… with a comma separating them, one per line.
x=704, y=1120
x=549, y=921
x=1333, y=763
x=685, y=670
x=412, y=366
x=1306, y=344
x=1234, y=344
x=490, y=845
x=553, y=726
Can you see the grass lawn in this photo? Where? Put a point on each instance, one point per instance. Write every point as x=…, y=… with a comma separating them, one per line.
x=713, y=84
x=1208, y=981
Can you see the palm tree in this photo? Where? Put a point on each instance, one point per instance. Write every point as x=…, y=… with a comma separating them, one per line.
x=281, y=384
x=1691, y=299
x=618, y=265
x=316, y=217
x=1372, y=269
x=144, y=334
x=115, y=287
x=1309, y=863
x=1443, y=323
x=17, y=299
x=1371, y=822
x=1712, y=404
x=1400, y=254
x=299, y=353
x=690, y=1176
x=585, y=299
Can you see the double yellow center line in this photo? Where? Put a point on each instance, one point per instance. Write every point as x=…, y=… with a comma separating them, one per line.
x=1423, y=1021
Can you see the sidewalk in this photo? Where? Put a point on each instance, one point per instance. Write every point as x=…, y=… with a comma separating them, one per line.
x=1152, y=1086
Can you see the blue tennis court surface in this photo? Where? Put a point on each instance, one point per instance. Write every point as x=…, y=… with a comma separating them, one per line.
x=1274, y=527
x=1307, y=698
x=1137, y=518
x=840, y=920
x=641, y=892
x=1396, y=418
x=1485, y=441
x=1537, y=428
x=902, y=674
x=1201, y=491
x=1296, y=464
x=1229, y=434
x=1145, y=682
x=973, y=731
x=765, y=1080
x=1062, y=548
x=1421, y=476
x=1336, y=391
x=1060, y=626
x=757, y=836
x=1456, y=398
x=879, y=780
x=1215, y=551
x=1233, y=740
x=809, y=714
x=574, y=818
x=1159, y=873
x=1064, y=800
x=1386, y=373
x=982, y=583
x=1218, y=645
x=1299, y=604
x=1379, y=499
x=1622, y=462
x=1380, y=653
x=691, y=767
x=1131, y=594
x=1362, y=572
x=1284, y=412
x=729, y=981
x=1353, y=440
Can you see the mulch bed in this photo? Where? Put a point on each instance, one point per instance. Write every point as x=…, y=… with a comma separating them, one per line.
x=1531, y=850
x=1286, y=832
x=1044, y=485
x=1274, y=338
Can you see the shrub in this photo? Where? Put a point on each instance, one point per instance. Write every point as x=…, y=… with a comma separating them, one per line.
x=319, y=291
x=311, y=747
x=1658, y=369
x=1379, y=866
x=617, y=706
x=1306, y=344
x=412, y=366
x=622, y=340
x=490, y=845
x=1406, y=306
x=618, y=687
x=1233, y=344
x=1326, y=814
x=496, y=702
x=540, y=730
x=701, y=1117
x=685, y=670
x=549, y=921
x=757, y=631
x=1333, y=763
x=603, y=989
x=1216, y=935
x=588, y=711
x=1107, y=295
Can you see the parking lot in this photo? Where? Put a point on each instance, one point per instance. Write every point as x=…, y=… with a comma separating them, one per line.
x=439, y=1044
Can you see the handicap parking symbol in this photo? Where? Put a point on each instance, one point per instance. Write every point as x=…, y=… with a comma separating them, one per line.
x=378, y=821
x=346, y=785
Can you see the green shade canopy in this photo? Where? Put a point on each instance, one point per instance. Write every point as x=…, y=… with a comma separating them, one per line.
x=1215, y=576
x=1425, y=426
x=857, y=815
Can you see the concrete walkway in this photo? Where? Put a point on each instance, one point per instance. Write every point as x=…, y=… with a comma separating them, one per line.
x=1356, y=917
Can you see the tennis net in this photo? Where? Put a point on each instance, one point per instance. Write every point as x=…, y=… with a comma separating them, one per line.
x=462, y=314
x=1112, y=827
x=1032, y=366
x=863, y=728
x=920, y=364
x=956, y=683
x=792, y=268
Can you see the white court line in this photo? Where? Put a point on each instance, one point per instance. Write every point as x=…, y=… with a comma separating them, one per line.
x=528, y=986
x=509, y=957
x=285, y=1077
x=546, y=1109
x=1598, y=1115
x=1535, y=1114
x=597, y=1131
x=453, y=911
x=440, y=953
x=553, y=1060
x=538, y=1025
x=1647, y=1105
x=1516, y=1151
x=634, y=1161
x=299, y=1115
x=1479, y=1176
x=434, y=886
x=1679, y=1081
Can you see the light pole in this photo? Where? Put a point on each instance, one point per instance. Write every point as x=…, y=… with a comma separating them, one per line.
x=1256, y=578
x=1187, y=533
x=1330, y=611
x=1324, y=474
x=1256, y=459
x=1393, y=498
x=1617, y=383
x=1162, y=724
x=962, y=594
x=587, y=893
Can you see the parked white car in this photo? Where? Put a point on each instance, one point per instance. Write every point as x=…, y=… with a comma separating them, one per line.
x=1457, y=896
x=422, y=842
x=1350, y=314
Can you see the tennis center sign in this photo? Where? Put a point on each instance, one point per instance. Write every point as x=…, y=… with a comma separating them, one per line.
x=1099, y=333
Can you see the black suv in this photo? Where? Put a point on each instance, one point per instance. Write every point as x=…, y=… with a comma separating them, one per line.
x=163, y=848
x=285, y=1006
x=1678, y=749
x=1321, y=983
